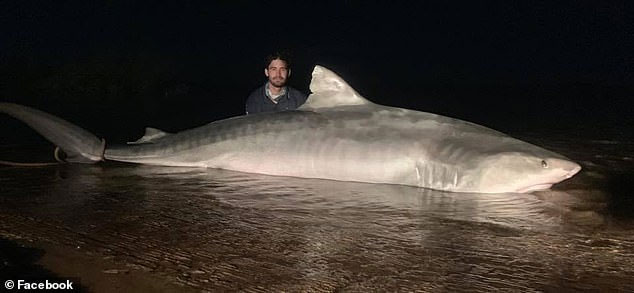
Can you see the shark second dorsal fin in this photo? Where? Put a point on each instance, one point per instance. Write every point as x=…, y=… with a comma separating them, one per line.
x=330, y=90
x=151, y=135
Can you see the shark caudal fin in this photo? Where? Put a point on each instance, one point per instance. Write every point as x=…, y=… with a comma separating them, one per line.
x=79, y=145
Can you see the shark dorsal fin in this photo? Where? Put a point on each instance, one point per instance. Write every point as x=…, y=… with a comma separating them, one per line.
x=151, y=135
x=330, y=90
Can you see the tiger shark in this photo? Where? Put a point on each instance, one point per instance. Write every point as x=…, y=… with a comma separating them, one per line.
x=337, y=134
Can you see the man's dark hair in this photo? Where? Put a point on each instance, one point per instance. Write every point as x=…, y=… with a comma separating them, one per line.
x=278, y=55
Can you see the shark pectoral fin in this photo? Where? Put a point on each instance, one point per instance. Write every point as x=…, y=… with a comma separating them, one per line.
x=150, y=136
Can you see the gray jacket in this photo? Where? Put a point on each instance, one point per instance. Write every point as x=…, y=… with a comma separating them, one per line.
x=258, y=101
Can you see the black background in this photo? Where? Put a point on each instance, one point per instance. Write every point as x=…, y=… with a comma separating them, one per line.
x=115, y=67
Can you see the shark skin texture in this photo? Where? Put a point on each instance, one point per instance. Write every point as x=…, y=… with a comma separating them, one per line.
x=338, y=135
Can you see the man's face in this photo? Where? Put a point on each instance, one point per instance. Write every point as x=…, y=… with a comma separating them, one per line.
x=277, y=72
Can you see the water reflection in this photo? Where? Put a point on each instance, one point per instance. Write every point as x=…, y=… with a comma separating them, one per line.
x=226, y=231
x=136, y=187
x=220, y=230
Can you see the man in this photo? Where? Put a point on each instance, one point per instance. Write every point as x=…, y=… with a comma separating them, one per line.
x=275, y=95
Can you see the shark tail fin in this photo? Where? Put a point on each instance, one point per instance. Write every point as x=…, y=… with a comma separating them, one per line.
x=79, y=145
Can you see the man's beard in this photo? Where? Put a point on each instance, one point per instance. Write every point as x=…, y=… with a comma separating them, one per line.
x=277, y=82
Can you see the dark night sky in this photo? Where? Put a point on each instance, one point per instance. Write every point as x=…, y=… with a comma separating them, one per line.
x=511, y=65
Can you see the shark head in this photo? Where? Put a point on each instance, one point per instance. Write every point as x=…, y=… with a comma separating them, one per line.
x=495, y=162
x=524, y=172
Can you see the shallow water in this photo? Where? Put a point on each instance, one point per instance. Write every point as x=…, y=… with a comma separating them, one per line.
x=222, y=230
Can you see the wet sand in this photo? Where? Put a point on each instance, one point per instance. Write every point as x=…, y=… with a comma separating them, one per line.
x=145, y=228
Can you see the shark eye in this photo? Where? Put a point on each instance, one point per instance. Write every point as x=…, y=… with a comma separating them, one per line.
x=544, y=164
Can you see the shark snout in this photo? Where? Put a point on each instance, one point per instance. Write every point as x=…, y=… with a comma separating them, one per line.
x=575, y=169
x=569, y=168
x=564, y=168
